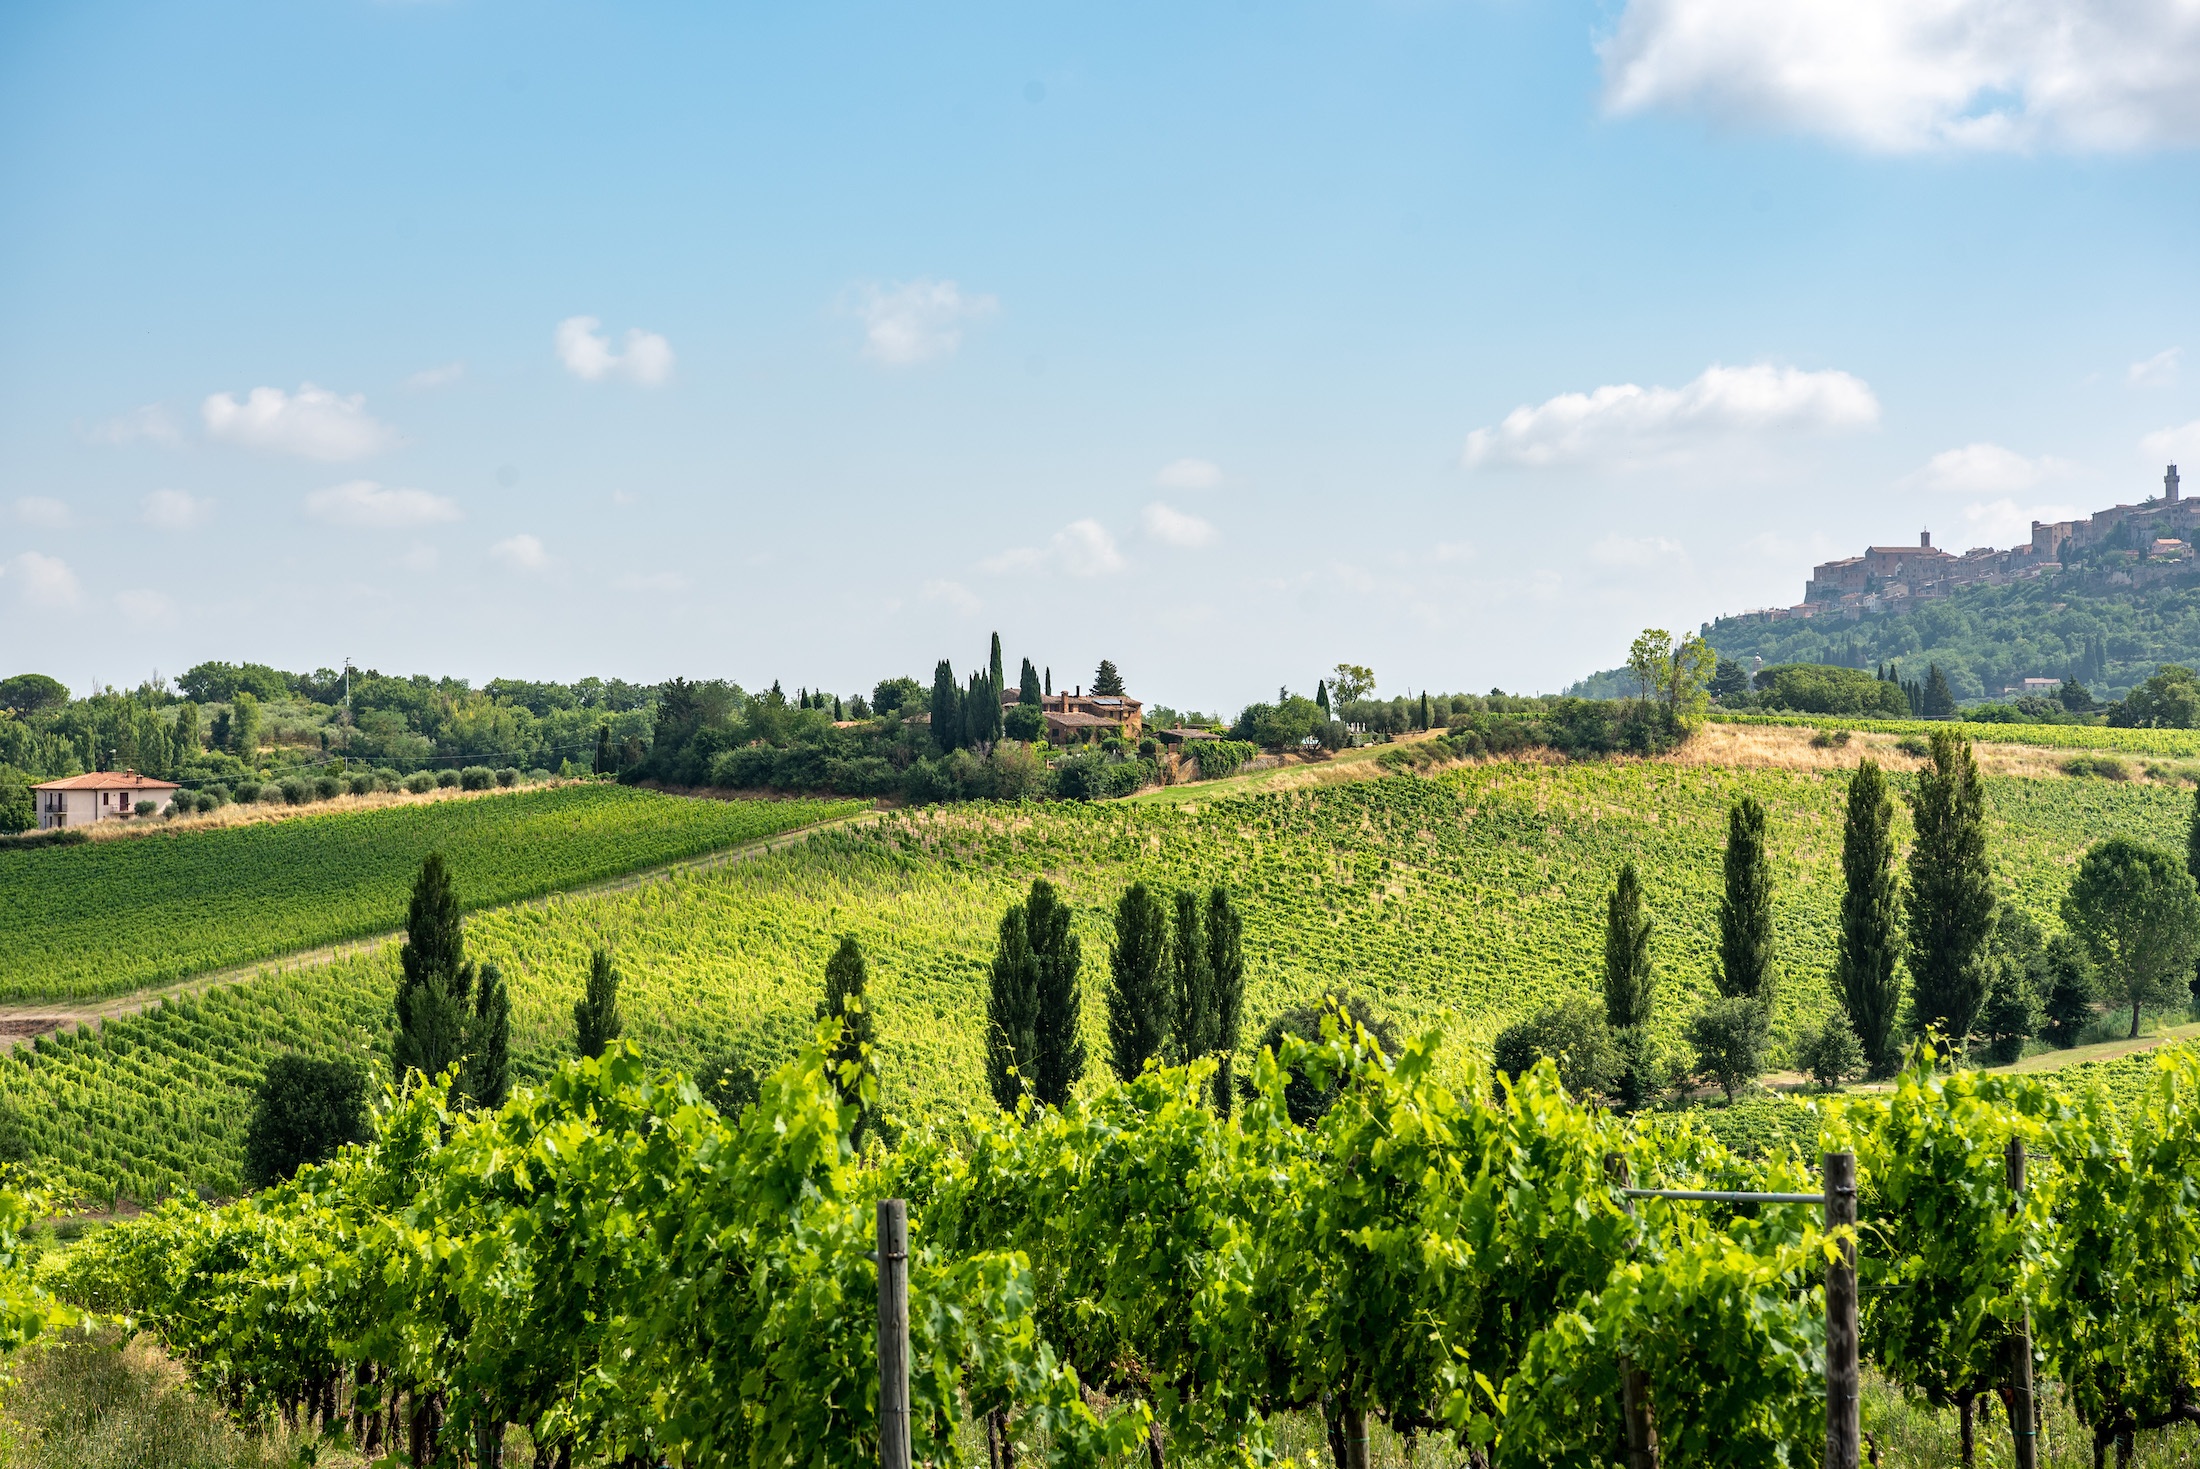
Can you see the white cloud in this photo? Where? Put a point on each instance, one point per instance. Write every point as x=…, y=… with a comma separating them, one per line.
x=1189, y=474
x=2174, y=445
x=1633, y=550
x=436, y=377
x=2002, y=523
x=587, y=353
x=954, y=594
x=1987, y=469
x=2157, y=371
x=363, y=504
x=42, y=581
x=1625, y=424
x=40, y=511
x=1083, y=548
x=174, y=510
x=1175, y=528
x=1905, y=75
x=312, y=423
x=523, y=552
x=150, y=423
x=146, y=607
x=915, y=321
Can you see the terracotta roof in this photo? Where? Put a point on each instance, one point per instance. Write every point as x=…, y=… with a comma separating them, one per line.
x=109, y=780
x=1076, y=717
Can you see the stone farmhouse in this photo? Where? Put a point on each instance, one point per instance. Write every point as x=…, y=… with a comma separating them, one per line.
x=104, y=795
x=2158, y=532
x=1082, y=718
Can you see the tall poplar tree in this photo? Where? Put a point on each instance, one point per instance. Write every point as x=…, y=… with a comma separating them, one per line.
x=1950, y=897
x=1225, y=935
x=947, y=714
x=1192, y=981
x=1628, y=979
x=596, y=1019
x=846, y=979
x=1863, y=969
x=1140, y=993
x=1745, y=908
x=487, y=1072
x=1059, y=1032
x=1012, y=1012
x=993, y=666
x=434, y=980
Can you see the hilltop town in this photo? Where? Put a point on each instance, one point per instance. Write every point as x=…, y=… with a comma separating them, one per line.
x=2147, y=541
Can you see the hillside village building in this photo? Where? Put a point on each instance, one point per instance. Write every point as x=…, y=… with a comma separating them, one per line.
x=1083, y=718
x=2157, y=531
x=104, y=795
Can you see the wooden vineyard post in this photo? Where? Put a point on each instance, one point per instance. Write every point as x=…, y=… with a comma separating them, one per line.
x=1634, y=1385
x=2023, y=1415
x=893, y=1334
x=1844, y=1425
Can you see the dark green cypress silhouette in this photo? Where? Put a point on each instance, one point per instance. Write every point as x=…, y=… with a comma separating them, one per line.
x=596, y=1020
x=1139, y=989
x=1012, y=1013
x=1629, y=981
x=846, y=977
x=1950, y=899
x=487, y=1075
x=1061, y=1024
x=1938, y=701
x=1745, y=908
x=1225, y=935
x=604, y=758
x=1105, y=678
x=1192, y=982
x=1864, y=964
x=434, y=979
x=947, y=715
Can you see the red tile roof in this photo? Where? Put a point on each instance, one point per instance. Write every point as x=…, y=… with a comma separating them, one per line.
x=109, y=780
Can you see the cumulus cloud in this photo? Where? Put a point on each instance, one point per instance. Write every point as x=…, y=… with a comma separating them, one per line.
x=1175, y=528
x=587, y=353
x=149, y=424
x=916, y=321
x=146, y=607
x=2157, y=371
x=1987, y=469
x=2181, y=443
x=1625, y=424
x=436, y=377
x=1633, y=550
x=312, y=423
x=40, y=511
x=1083, y=548
x=365, y=505
x=522, y=552
x=953, y=594
x=42, y=581
x=174, y=510
x=1903, y=76
x=1189, y=474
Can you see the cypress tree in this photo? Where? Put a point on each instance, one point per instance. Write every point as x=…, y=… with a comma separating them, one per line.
x=604, y=761
x=837, y=715
x=596, y=1021
x=434, y=979
x=993, y=667
x=1191, y=982
x=1428, y=715
x=1059, y=1033
x=1863, y=968
x=1225, y=932
x=1950, y=900
x=977, y=718
x=1012, y=1012
x=1027, y=687
x=1050, y=681
x=1745, y=909
x=1321, y=697
x=1105, y=678
x=2192, y=865
x=487, y=1076
x=1139, y=991
x=947, y=716
x=845, y=979
x=1628, y=978
x=1939, y=702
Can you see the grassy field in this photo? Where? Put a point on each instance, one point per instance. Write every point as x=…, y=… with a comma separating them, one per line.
x=1464, y=899
x=109, y=917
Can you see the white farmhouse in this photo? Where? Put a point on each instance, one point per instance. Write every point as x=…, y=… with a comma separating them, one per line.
x=83, y=799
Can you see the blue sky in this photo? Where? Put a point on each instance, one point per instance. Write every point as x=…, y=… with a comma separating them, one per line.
x=1227, y=341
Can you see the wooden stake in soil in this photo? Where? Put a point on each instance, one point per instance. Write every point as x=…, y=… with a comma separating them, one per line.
x=1844, y=1427
x=893, y=1334
x=1634, y=1383
x=2023, y=1414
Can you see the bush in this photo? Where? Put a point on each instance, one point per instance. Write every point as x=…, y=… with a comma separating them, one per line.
x=1218, y=758
x=1831, y=1054
x=2107, y=767
x=446, y=779
x=1305, y=1101
x=728, y=1083
x=420, y=782
x=508, y=777
x=1822, y=688
x=146, y=808
x=1093, y=777
x=363, y=785
x=248, y=791
x=296, y=792
x=1026, y=722
x=1730, y=1037
x=1574, y=1035
x=306, y=1110
x=539, y=776
x=275, y=791
x=329, y=787
x=476, y=778
x=208, y=800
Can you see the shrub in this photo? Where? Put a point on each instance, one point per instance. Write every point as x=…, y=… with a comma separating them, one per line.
x=1831, y=1054
x=248, y=791
x=1820, y=688
x=306, y=1110
x=539, y=776
x=1730, y=1037
x=1914, y=746
x=476, y=778
x=446, y=779
x=329, y=787
x=419, y=782
x=1830, y=739
x=208, y=800
x=508, y=777
x=363, y=785
x=2107, y=767
x=272, y=792
x=297, y=792
x=1218, y=758
x=1305, y=1101
x=1024, y=722
x=1573, y=1034
x=146, y=808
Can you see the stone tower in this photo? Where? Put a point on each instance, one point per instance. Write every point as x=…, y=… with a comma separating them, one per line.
x=2169, y=485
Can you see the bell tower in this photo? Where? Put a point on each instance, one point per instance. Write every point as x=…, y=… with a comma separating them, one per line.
x=2169, y=485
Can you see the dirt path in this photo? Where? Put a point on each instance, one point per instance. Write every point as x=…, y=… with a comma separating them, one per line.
x=20, y=1022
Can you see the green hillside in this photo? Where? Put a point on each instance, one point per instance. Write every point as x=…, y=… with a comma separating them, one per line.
x=109, y=917
x=1467, y=898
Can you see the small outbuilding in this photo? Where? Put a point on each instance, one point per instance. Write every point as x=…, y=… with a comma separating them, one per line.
x=104, y=795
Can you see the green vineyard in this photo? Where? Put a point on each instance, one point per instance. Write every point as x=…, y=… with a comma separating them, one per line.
x=109, y=917
x=1466, y=900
